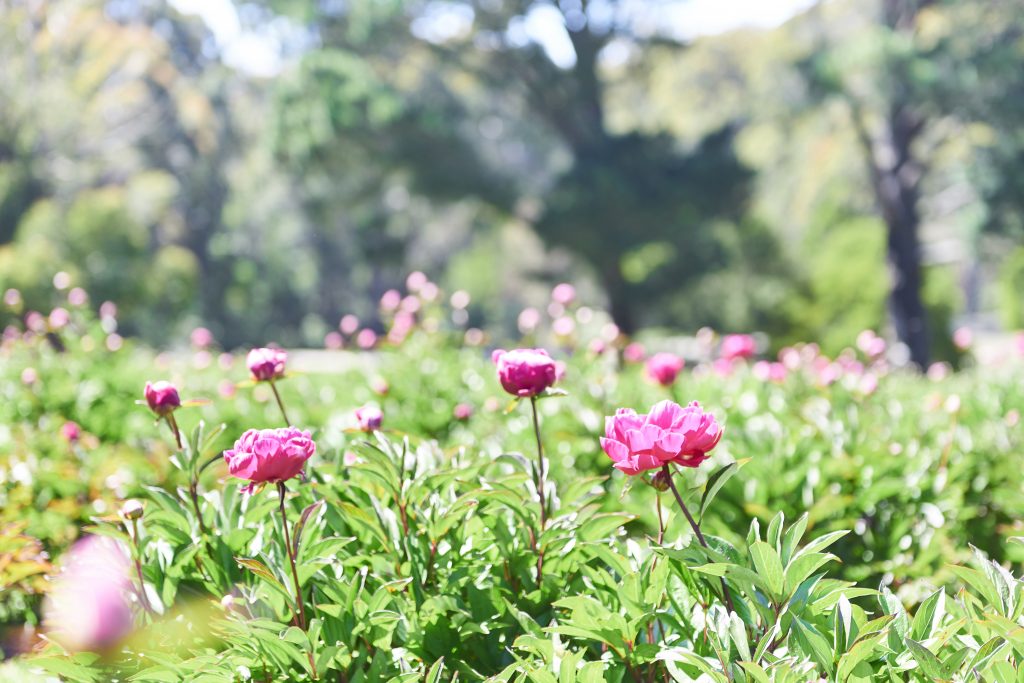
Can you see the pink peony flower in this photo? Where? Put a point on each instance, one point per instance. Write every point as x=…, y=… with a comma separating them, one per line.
x=768, y=371
x=664, y=367
x=88, y=608
x=71, y=431
x=370, y=418
x=333, y=341
x=525, y=372
x=266, y=364
x=963, y=338
x=564, y=326
x=162, y=397
x=634, y=353
x=390, y=300
x=668, y=434
x=77, y=297
x=366, y=339
x=528, y=320
x=349, y=324
x=737, y=346
x=415, y=281
x=462, y=412
x=269, y=455
x=201, y=337
x=563, y=293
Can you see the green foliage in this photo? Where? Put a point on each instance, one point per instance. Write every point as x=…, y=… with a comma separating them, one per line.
x=839, y=521
x=1011, y=284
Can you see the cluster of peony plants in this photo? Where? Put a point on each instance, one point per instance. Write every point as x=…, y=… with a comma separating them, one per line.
x=396, y=560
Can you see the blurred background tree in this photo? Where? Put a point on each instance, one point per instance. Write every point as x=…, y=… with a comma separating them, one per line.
x=753, y=179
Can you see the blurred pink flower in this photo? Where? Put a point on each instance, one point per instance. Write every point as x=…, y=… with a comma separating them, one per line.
x=664, y=367
x=225, y=361
x=59, y=317
x=77, y=297
x=390, y=300
x=870, y=344
x=460, y=299
x=370, y=418
x=868, y=384
x=722, y=367
x=560, y=369
x=963, y=338
x=528, y=320
x=474, y=337
x=524, y=372
x=349, y=324
x=12, y=297
x=668, y=434
x=61, y=280
x=410, y=304
x=597, y=346
x=415, y=281
x=29, y=376
x=564, y=326
x=114, y=342
x=634, y=353
x=366, y=339
x=201, y=337
x=563, y=293
x=266, y=364
x=429, y=292
x=737, y=346
x=226, y=388
x=334, y=341
x=769, y=371
x=162, y=397
x=88, y=608
x=269, y=455
x=462, y=412
x=35, y=321
x=938, y=371
x=108, y=309
x=380, y=386
x=202, y=359
x=71, y=431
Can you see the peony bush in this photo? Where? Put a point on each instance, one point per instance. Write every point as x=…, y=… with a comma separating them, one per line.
x=586, y=512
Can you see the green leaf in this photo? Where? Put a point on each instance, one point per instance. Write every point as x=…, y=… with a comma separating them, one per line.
x=929, y=663
x=715, y=483
x=929, y=616
x=435, y=671
x=769, y=567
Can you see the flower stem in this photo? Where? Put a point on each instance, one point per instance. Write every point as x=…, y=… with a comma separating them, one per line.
x=301, y=614
x=280, y=404
x=173, y=424
x=696, y=530
x=540, y=488
x=138, y=568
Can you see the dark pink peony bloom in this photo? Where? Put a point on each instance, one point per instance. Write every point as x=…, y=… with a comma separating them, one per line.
x=663, y=368
x=737, y=346
x=88, y=608
x=370, y=418
x=162, y=397
x=270, y=455
x=668, y=434
x=266, y=364
x=71, y=431
x=525, y=372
